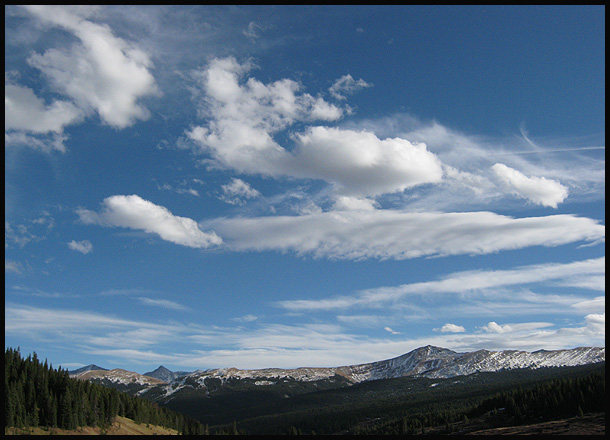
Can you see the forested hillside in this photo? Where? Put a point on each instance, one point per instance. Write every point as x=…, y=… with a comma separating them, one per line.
x=37, y=395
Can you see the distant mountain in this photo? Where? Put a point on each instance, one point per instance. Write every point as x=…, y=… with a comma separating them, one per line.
x=428, y=361
x=85, y=368
x=123, y=380
x=165, y=374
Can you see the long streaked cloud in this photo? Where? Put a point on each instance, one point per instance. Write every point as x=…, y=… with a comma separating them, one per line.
x=461, y=282
x=163, y=303
x=398, y=234
x=136, y=213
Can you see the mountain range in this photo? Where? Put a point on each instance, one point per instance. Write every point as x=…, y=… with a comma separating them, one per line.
x=428, y=361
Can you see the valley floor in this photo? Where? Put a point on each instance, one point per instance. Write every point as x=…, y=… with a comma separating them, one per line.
x=589, y=424
x=121, y=426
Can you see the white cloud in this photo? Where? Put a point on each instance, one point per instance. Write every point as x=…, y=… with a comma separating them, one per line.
x=136, y=213
x=237, y=190
x=244, y=117
x=84, y=246
x=46, y=143
x=101, y=72
x=361, y=163
x=398, y=234
x=469, y=182
x=494, y=327
x=597, y=321
x=539, y=190
x=388, y=329
x=347, y=85
x=24, y=111
x=346, y=203
x=452, y=328
x=464, y=282
x=163, y=303
x=592, y=305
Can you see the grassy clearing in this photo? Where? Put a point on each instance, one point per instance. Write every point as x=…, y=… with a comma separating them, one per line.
x=120, y=426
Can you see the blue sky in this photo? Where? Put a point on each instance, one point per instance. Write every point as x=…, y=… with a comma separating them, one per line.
x=261, y=186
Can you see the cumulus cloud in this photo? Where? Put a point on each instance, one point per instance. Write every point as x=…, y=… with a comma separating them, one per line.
x=24, y=111
x=237, y=190
x=399, y=235
x=136, y=213
x=539, y=190
x=361, y=163
x=84, y=246
x=100, y=73
x=347, y=85
x=452, y=328
x=245, y=116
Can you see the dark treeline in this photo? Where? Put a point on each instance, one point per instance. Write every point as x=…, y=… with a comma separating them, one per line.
x=37, y=395
x=411, y=405
x=550, y=400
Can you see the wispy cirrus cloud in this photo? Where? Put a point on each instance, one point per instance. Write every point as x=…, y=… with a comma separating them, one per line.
x=277, y=345
x=12, y=266
x=462, y=282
